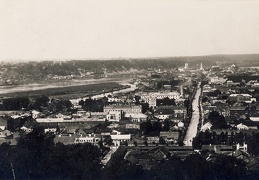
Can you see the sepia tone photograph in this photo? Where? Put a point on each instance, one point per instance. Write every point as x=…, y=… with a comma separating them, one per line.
x=129, y=89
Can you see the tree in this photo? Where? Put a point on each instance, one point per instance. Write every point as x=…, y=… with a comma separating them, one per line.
x=204, y=99
x=196, y=143
x=145, y=127
x=187, y=103
x=145, y=107
x=218, y=121
x=166, y=102
x=36, y=151
x=137, y=98
x=81, y=103
x=68, y=103
x=162, y=140
x=5, y=162
x=166, y=126
x=214, y=93
x=30, y=122
x=16, y=103
x=217, y=92
x=228, y=167
x=41, y=101
x=196, y=167
x=156, y=128
x=108, y=140
x=171, y=169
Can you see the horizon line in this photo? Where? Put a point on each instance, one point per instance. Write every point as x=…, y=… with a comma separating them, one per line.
x=119, y=58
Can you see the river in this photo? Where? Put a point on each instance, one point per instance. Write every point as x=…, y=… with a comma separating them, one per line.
x=34, y=87
x=192, y=129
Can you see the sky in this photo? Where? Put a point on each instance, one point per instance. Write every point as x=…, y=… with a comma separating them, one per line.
x=84, y=29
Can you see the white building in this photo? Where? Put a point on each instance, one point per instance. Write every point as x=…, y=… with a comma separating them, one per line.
x=151, y=97
x=93, y=139
x=180, y=124
x=132, y=126
x=163, y=116
x=139, y=117
x=35, y=114
x=113, y=99
x=114, y=116
x=206, y=126
x=242, y=147
x=217, y=80
x=241, y=126
x=118, y=138
x=127, y=109
x=50, y=130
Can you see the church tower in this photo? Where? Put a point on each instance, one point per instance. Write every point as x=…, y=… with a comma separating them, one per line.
x=186, y=66
x=201, y=68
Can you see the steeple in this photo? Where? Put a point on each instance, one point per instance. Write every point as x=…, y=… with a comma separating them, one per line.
x=201, y=68
x=186, y=66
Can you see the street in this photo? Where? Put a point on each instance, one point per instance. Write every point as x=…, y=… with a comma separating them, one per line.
x=192, y=129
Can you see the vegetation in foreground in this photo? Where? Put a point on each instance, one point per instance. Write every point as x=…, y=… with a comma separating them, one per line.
x=37, y=157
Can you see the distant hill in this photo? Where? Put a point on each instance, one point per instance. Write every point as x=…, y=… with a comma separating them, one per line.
x=37, y=71
x=242, y=60
x=153, y=62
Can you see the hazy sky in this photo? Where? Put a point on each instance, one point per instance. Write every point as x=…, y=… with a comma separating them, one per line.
x=63, y=29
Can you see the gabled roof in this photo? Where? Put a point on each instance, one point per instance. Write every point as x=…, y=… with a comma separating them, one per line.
x=164, y=111
x=242, y=126
x=253, y=161
x=240, y=108
x=254, y=119
x=81, y=131
x=3, y=122
x=5, y=133
x=206, y=126
x=155, y=150
x=235, y=95
x=71, y=130
x=240, y=152
x=64, y=139
x=139, y=115
x=169, y=134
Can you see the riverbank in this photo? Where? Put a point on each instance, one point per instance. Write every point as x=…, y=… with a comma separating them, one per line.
x=70, y=92
x=74, y=82
x=35, y=89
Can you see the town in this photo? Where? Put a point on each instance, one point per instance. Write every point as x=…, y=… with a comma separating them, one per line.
x=192, y=113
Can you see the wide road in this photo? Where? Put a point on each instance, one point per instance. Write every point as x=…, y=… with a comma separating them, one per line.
x=192, y=129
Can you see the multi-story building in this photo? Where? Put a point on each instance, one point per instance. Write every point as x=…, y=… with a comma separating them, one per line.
x=151, y=97
x=138, y=117
x=114, y=116
x=240, y=97
x=93, y=139
x=126, y=109
x=118, y=138
x=230, y=83
x=132, y=126
x=217, y=80
x=163, y=116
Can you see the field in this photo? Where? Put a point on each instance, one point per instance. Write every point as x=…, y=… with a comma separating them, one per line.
x=69, y=92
